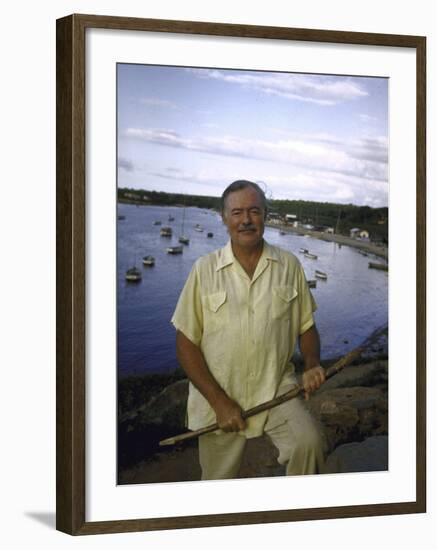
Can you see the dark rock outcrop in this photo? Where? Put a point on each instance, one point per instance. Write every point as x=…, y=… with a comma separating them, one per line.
x=351, y=407
x=368, y=456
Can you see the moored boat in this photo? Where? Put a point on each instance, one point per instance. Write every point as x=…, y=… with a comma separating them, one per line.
x=149, y=260
x=175, y=249
x=312, y=283
x=198, y=227
x=382, y=267
x=210, y=235
x=310, y=256
x=133, y=274
x=321, y=274
x=166, y=232
x=303, y=250
x=157, y=222
x=183, y=239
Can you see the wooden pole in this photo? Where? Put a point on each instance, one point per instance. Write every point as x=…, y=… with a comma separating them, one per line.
x=293, y=392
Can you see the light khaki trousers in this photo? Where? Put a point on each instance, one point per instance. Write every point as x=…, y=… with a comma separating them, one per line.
x=291, y=428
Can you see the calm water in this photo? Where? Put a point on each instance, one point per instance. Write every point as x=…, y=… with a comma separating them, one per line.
x=351, y=303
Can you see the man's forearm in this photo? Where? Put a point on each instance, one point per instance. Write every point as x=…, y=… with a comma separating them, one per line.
x=314, y=375
x=309, y=343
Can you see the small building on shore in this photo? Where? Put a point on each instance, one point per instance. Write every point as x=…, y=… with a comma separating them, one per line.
x=290, y=218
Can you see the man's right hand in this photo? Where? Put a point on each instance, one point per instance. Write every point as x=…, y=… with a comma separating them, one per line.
x=228, y=414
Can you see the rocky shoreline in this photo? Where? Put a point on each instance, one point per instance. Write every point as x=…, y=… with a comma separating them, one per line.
x=352, y=408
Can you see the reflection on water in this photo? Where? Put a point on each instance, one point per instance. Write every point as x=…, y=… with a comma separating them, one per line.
x=352, y=302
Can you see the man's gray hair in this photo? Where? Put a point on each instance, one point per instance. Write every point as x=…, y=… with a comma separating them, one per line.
x=238, y=185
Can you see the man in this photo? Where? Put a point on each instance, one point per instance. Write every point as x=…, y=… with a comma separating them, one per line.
x=238, y=318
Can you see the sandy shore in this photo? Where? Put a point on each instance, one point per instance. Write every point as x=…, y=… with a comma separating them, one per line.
x=377, y=250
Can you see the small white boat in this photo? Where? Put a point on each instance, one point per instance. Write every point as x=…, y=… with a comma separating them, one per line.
x=148, y=260
x=184, y=240
x=133, y=275
x=303, y=250
x=175, y=249
x=166, y=232
x=321, y=274
x=198, y=227
x=310, y=256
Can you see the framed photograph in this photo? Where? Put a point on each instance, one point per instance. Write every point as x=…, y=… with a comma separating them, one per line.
x=155, y=118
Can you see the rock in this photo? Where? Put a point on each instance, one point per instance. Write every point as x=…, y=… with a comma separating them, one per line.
x=168, y=407
x=350, y=414
x=140, y=431
x=348, y=407
x=369, y=374
x=371, y=455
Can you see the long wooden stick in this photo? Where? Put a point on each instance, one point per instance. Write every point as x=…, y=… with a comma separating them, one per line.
x=295, y=390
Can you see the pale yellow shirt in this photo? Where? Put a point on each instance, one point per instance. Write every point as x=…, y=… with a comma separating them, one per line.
x=246, y=328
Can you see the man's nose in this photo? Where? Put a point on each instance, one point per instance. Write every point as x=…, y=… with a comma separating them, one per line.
x=246, y=217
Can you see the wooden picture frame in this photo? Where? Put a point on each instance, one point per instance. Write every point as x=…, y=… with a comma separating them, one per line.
x=71, y=272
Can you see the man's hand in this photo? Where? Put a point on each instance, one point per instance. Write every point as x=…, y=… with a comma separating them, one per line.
x=228, y=414
x=312, y=379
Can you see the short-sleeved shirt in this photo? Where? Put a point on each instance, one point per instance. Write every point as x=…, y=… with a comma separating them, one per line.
x=246, y=328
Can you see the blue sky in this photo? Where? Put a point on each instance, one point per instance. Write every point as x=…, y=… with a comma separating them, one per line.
x=301, y=136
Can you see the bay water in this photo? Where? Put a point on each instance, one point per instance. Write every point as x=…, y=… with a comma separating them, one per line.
x=352, y=302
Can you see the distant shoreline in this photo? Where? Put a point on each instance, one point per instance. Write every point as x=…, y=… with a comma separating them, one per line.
x=377, y=250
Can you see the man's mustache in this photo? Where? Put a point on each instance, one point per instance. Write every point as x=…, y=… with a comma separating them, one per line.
x=247, y=228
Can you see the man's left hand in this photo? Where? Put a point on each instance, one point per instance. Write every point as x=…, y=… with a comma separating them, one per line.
x=312, y=379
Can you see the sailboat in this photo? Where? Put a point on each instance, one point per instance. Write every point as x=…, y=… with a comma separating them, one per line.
x=183, y=239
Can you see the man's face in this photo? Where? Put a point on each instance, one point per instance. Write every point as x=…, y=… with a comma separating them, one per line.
x=244, y=217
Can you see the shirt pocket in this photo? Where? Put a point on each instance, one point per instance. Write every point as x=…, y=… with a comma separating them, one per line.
x=215, y=309
x=282, y=301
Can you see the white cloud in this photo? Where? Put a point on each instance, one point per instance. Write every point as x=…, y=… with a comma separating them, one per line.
x=321, y=90
x=157, y=102
x=364, y=157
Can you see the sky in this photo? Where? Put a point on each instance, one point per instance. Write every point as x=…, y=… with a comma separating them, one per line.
x=300, y=136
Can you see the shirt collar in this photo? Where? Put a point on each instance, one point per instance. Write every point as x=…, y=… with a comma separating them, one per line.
x=226, y=256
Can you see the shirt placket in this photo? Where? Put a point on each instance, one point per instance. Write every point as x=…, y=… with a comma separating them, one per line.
x=252, y=353
x=250, y=344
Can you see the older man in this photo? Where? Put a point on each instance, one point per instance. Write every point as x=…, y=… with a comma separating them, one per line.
x=238, y=318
